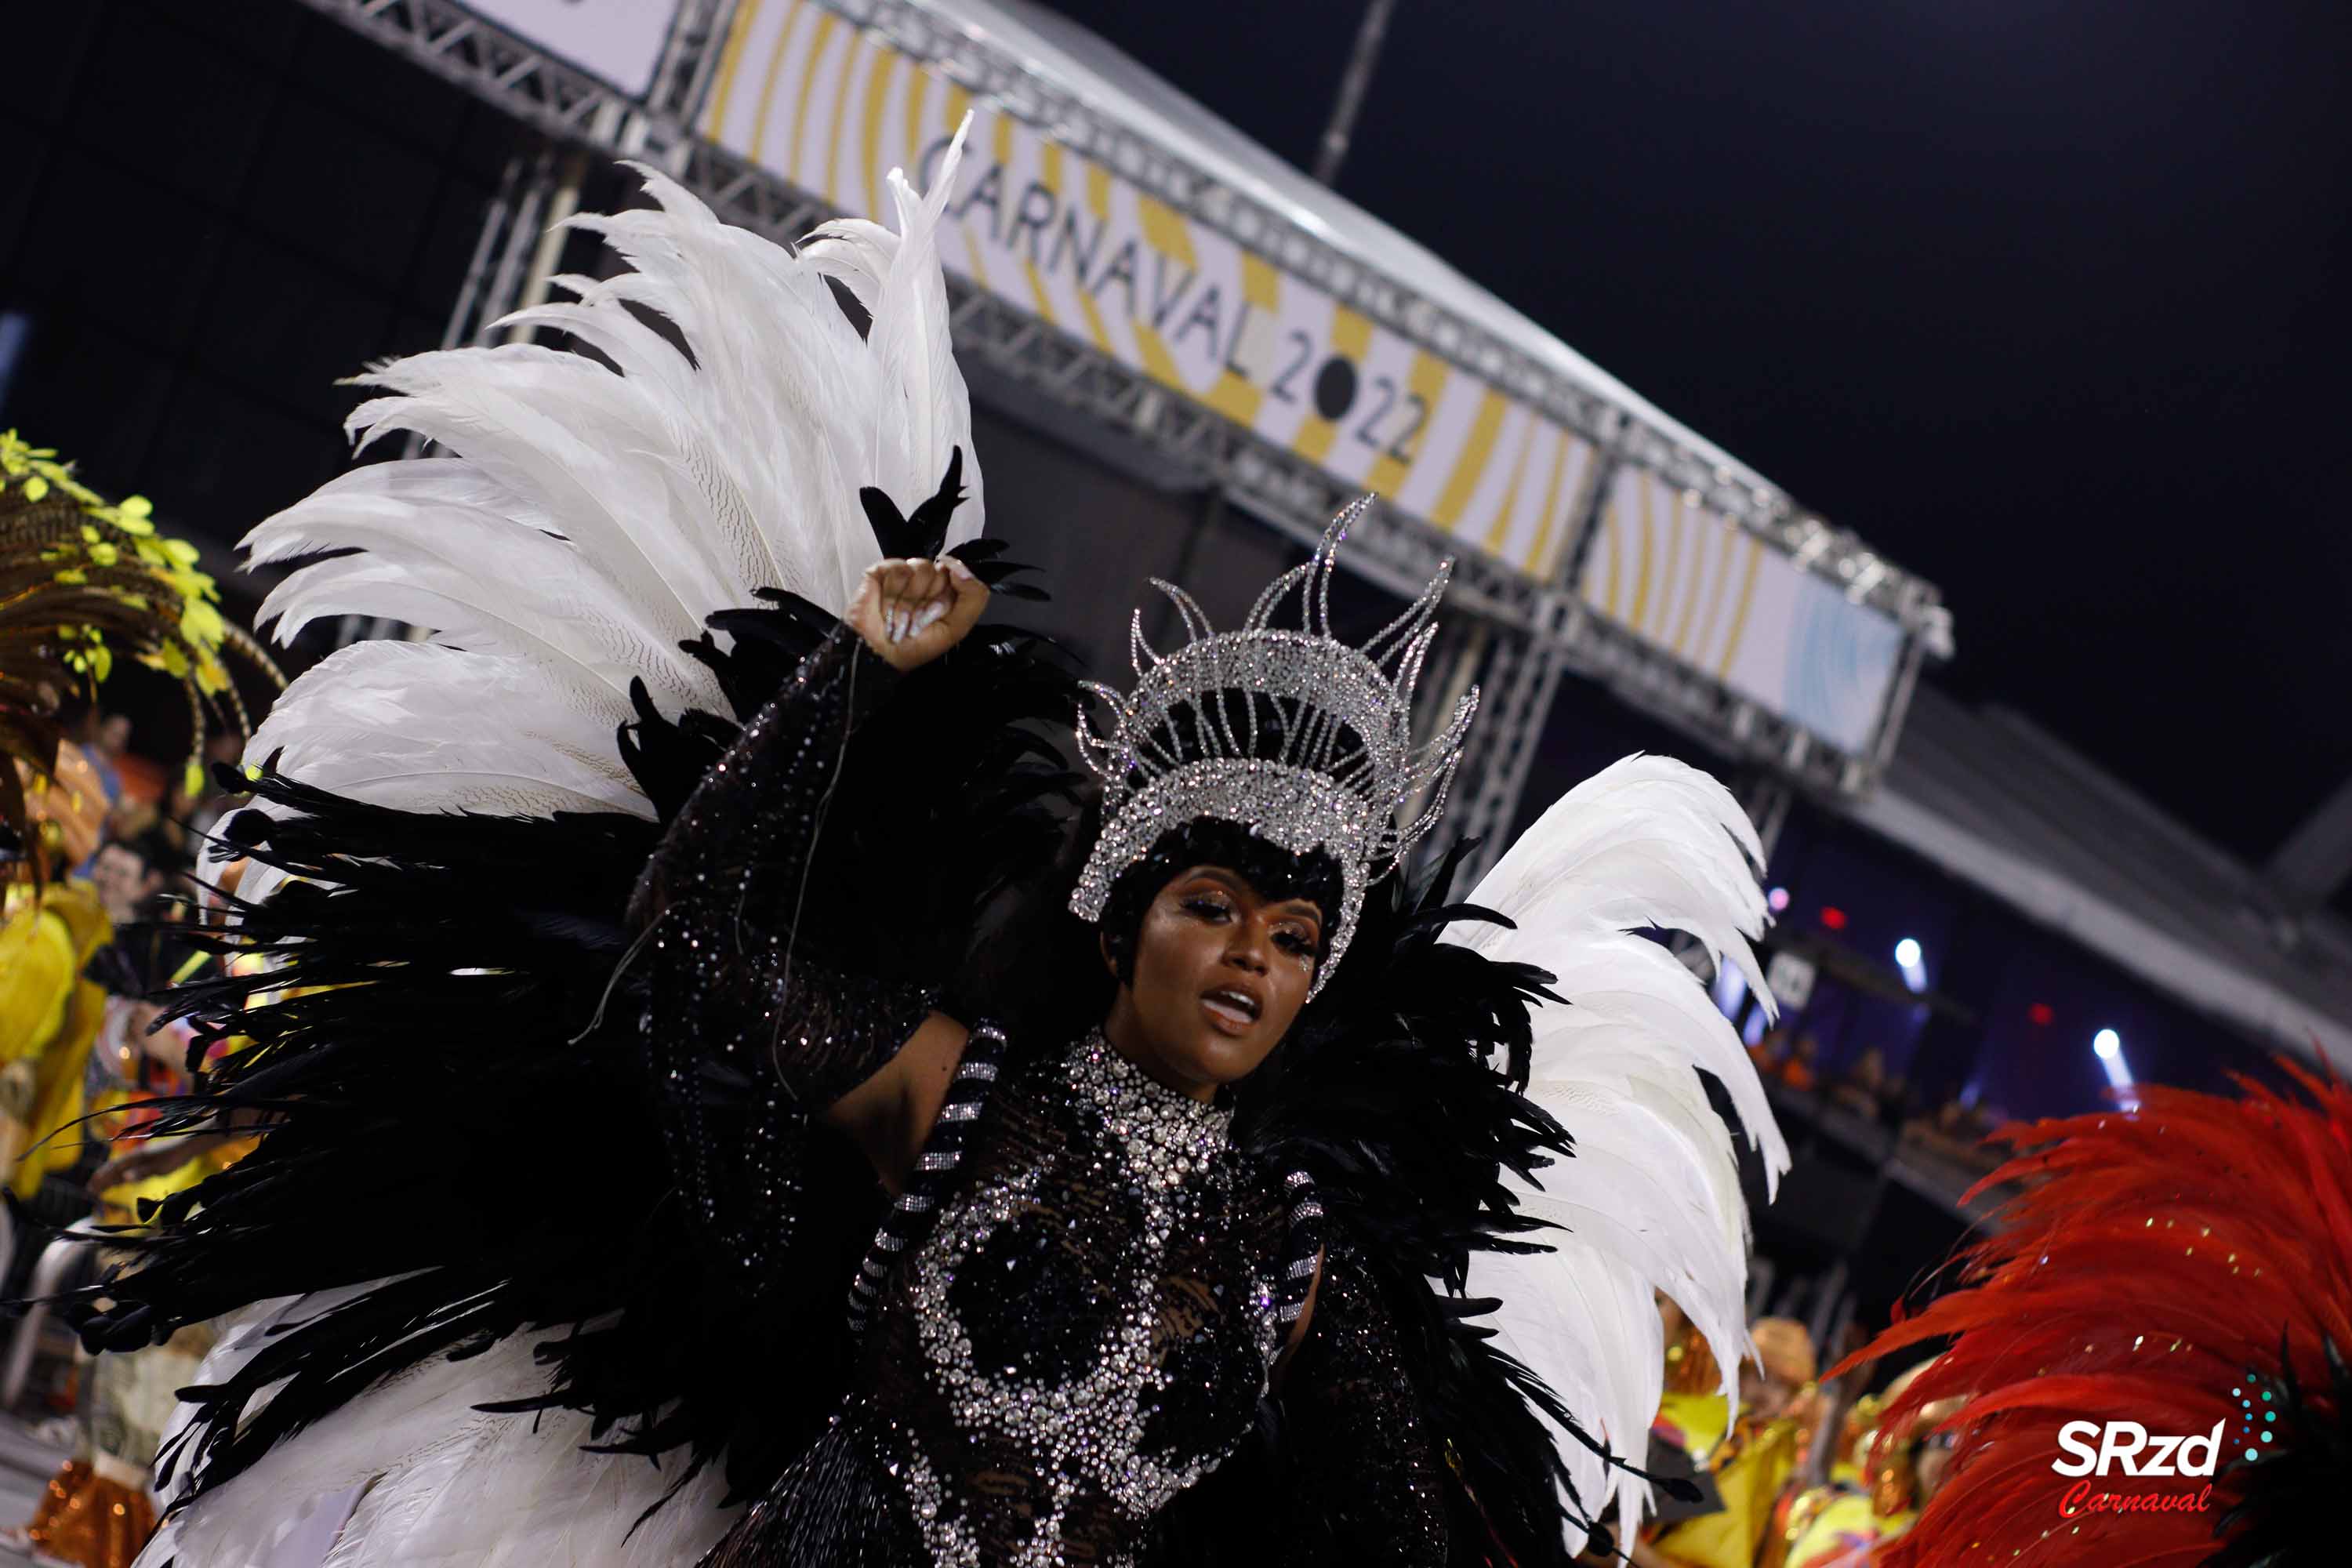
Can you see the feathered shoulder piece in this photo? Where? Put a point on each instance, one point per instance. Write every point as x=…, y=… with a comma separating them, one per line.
x=2152, y=1342
x=1651, y=1204
x=82, y=579
x=1500, y=1102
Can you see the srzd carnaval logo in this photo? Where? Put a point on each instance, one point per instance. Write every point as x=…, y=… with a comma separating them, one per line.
x=2136, y=1451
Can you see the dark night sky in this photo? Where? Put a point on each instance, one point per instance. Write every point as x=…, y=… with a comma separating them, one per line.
x=2044, y=299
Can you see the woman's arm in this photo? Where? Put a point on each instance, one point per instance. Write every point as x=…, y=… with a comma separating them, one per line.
x=736, y=934
x=1371, y=1466
x=890, y=1116
x=746, y=990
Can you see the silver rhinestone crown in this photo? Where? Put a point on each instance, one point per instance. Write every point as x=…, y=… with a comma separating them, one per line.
x=1337, y=772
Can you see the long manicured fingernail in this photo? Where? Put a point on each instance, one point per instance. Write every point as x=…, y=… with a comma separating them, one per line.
x=956, y=568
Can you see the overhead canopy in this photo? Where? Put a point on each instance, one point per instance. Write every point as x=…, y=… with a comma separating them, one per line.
x=2000, y=805
x=1091, y=70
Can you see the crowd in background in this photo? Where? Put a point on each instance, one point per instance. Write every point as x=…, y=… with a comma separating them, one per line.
x=84, y=1051
x=1954, y=1126
x=1808, y=1472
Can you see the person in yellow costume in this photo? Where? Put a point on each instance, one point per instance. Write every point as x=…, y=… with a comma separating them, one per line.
x=98, y=1510
x=1883, y=1478
x=82, y=580
x=1749, y=1460
x=1692, y=1416
x=49, y=1009
x=1849, y=1460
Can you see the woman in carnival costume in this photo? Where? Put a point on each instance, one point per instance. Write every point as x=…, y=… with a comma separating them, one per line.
x=698, y=1137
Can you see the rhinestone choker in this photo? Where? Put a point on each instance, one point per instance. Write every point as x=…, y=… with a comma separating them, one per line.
x=1166, y=1134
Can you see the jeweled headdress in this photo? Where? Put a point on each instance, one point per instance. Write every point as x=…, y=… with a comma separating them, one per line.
x=1286, y=730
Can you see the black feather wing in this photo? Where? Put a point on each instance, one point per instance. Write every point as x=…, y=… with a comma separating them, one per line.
x=455, y=1089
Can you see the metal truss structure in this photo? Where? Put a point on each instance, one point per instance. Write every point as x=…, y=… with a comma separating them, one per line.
x=1540, y=631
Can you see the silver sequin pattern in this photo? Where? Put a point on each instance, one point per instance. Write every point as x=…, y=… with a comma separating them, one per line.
x=1087, y=1434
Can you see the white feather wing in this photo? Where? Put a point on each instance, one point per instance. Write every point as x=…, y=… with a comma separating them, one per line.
x=1651, y=1201
x=588, y=515
x=411, y=1473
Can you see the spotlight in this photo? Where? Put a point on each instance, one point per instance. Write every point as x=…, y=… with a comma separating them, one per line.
x=1907, y=959
x=1778, y=899
x=2108, y=1046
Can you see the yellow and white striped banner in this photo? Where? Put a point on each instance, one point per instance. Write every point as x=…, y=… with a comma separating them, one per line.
x=1682, y=576
x=1708, y=590
x=832, y=109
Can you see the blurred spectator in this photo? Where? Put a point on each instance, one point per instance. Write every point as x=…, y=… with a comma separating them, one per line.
x=128, y=874
x=86, y=733
x=49, y=1010
x=142, y=780
x=212, y=803
x=1957, y=1132
x=1799, y=1073
x=144, y=883
x=1752, y=1461
x=97, y=1509
x=1863, y=1088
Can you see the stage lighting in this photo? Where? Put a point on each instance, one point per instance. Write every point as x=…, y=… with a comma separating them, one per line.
x=1908, y=960
x=2108, y=1046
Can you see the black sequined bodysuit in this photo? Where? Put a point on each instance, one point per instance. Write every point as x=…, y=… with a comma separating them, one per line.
x=1072, y=1312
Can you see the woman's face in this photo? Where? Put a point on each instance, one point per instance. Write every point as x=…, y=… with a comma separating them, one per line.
x=1220, y=976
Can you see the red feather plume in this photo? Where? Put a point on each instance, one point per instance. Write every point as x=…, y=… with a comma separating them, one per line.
x=2185, y=1263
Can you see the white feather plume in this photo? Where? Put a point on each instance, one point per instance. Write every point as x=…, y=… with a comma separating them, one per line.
x=1651, y=1201
x=589, y=516
x=410, y=1473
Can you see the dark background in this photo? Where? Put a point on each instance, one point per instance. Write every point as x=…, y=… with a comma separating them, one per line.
x=2045, y=301
x=210, y=214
